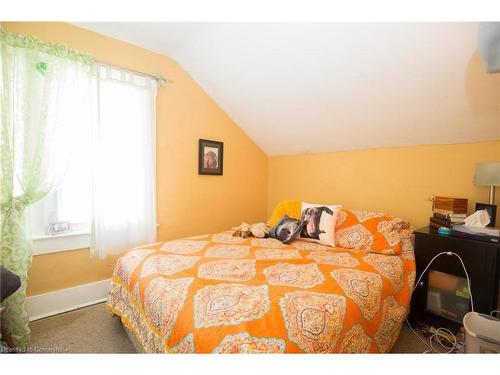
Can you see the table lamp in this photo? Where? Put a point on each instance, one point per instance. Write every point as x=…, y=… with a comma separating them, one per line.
x=488, y=174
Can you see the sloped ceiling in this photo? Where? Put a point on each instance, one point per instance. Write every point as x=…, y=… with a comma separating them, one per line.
x=299, y=88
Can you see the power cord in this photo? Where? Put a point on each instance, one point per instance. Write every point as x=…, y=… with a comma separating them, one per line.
x=444, y=337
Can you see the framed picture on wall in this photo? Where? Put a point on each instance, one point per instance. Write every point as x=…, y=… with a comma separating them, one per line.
x=210, y=157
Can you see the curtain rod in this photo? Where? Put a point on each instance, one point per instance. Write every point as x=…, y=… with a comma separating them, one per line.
x=157, y=76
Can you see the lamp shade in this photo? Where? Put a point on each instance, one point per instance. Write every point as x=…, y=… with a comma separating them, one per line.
x=487, y=174
x=489, y=45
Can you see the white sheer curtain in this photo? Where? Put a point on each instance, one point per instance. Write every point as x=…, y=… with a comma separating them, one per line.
x=123, y=162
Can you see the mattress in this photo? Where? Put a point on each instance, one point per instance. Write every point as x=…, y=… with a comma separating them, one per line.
x=223, y=294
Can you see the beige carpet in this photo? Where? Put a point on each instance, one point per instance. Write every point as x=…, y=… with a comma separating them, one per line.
x=94, y=330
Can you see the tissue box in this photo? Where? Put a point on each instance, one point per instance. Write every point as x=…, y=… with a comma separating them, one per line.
x=480, y=233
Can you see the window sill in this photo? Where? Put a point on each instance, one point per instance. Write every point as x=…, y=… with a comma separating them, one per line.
x=61, y=242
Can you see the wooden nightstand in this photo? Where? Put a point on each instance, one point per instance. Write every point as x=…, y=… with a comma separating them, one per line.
x=482, y=260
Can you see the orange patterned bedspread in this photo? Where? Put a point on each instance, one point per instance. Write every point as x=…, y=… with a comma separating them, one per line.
x=224, y=294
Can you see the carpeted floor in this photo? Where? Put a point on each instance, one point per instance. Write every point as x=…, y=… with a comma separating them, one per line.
x=94, y=330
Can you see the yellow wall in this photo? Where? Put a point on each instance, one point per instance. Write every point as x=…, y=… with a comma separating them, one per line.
x=66, y=269
x=397, y=181
x=187, y=203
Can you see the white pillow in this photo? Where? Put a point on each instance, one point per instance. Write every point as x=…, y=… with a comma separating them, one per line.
x=318, y=223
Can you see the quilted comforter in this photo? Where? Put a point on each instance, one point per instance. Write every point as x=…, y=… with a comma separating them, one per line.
x=224, y=294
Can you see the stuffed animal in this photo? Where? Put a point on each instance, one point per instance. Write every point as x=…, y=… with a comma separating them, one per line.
x=260, y=230
x=245, y=230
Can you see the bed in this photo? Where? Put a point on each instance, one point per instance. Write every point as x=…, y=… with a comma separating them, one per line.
x=217, y=293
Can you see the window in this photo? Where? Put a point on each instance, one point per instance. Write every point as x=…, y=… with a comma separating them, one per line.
x=71, y=201
x=109, y=180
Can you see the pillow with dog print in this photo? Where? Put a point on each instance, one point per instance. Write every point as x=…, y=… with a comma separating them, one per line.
x=286, y=230
x=318, y=223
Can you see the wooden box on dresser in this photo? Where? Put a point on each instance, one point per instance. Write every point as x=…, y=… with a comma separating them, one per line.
x=482, y=260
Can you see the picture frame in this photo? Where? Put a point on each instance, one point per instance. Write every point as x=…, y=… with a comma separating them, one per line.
x=59, y=227
x=210, y=157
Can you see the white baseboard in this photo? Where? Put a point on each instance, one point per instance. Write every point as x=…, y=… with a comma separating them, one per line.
x=63, y=300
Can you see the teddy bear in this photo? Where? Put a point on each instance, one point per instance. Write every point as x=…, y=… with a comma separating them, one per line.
x=245, y=230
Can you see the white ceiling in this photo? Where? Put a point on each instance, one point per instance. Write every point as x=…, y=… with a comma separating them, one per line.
x=296, y=88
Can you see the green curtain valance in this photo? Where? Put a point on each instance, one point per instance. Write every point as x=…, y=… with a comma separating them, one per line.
x=55, y=49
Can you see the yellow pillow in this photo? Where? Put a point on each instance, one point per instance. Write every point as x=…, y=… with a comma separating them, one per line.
x=289, y=207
